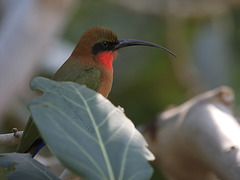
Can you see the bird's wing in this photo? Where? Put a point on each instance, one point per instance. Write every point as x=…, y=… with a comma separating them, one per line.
x=91, y=77
x=76, y=72
x=29, y=138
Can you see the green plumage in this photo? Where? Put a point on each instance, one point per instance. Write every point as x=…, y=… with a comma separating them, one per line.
x=75, y=71
x=70, y=71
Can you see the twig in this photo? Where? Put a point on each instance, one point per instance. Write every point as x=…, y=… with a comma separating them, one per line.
x=11, y=139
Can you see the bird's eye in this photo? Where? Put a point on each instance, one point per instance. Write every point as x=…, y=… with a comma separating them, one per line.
x=105, y=44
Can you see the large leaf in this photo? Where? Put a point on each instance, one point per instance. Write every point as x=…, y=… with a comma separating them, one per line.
x=17, y=166
x=88, y=134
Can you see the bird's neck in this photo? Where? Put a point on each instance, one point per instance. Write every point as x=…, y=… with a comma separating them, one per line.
x=106, y=58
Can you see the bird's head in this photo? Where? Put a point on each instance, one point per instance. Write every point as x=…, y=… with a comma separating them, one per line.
x=102, y=43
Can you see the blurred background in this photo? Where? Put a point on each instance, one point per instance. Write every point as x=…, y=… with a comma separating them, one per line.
x=36, y=37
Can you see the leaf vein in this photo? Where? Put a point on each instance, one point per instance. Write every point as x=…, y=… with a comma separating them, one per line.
x=106, y=118
x=124, y=158
x=100, y=140
x=43, y=172
x=75, y=124
x=79, y=146
x=114, y=133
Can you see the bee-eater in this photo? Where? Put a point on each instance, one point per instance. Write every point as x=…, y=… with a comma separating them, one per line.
x=90, y=64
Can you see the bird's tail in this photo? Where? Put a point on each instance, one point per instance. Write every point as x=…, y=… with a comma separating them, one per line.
x=36, y=147
x=31, y=141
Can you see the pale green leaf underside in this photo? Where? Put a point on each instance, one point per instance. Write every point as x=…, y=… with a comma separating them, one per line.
x=21, y=166
x=88, y=134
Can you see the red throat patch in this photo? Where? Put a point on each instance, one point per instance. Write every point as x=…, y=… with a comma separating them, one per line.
x=107, y=57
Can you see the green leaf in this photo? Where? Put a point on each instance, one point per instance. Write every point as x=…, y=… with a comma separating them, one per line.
x=17, y=166
x=4, y=171
x=88, y=134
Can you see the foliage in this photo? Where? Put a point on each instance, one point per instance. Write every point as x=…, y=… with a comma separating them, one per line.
x=17, y=166
x=87, y=133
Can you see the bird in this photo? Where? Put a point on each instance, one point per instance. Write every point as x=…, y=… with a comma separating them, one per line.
x=89, y=64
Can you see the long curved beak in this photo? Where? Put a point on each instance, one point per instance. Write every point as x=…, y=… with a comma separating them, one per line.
x=133, y=42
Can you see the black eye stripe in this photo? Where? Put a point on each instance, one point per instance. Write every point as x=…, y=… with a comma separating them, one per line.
x=103, y=46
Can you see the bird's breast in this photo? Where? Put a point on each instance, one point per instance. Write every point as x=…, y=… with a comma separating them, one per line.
x=106, y=83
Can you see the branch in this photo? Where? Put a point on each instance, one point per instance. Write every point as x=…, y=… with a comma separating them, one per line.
x=198, y=139
x=11, y=139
